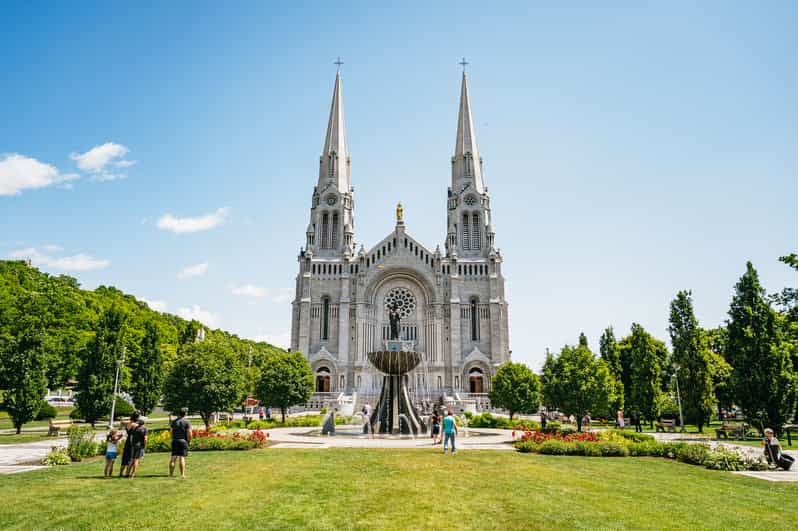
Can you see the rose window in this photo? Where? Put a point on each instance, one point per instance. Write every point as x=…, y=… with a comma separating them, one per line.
x=470, y=200
x=403, y=299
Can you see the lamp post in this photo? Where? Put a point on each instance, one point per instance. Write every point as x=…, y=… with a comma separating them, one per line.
x=678, y=396
x=119, y=364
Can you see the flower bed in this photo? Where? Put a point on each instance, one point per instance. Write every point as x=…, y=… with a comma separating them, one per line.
x=202, y=440
x=622, y=444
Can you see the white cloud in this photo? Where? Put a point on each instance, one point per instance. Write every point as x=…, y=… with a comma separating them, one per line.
x=183, y=225
x=98, y=159
x=158, y=306
x=196, y=270
x=280, y=339
x=249, y=290
x=18, y=172
x=195, y=312
x=77, y=262
x=281, y=295
x=50, y=247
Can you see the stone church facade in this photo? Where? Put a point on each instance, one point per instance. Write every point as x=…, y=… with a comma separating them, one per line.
x=451, y=301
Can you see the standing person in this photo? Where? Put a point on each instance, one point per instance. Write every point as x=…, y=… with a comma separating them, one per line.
x=621, y=423
x=543, y=419
x=261, y=414
x=436, y=428
x=636, y=421
x=111, y=449
x=587, y=421
x=180, y=429
x=127, y=452
x=449, y=431
x=139, y=440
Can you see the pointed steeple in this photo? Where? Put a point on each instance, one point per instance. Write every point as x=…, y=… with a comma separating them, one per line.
x=334, y=161
x=466, y=163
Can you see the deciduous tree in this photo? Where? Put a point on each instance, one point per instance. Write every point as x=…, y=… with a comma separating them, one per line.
x=286, y=380
x=146, y=369
x=515, y=388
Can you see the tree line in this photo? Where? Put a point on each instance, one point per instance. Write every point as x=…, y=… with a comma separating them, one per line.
x=750, y=361
x=53, y=334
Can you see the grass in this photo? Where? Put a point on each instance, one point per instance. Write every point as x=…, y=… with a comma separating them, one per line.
x=396, y=489
x=24, y=437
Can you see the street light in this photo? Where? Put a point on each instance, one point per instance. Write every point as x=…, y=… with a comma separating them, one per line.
x=676, y=368
x=119, y=364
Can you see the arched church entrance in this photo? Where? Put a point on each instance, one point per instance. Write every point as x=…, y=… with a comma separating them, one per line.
x=322, y=380
x=476, y=381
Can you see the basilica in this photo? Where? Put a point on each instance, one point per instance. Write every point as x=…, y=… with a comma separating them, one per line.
x=451, y=301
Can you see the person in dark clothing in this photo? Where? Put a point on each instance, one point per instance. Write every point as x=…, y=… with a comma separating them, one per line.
x=636, y=416
x=180, y=428
x=139, y=439
x=543, y=419
x=127, y=452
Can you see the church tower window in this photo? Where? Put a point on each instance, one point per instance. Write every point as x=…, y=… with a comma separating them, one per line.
x=474, y=321
x=325, y=231
x=325, y=319
x=334, y=237
x=476, y=232
x=466, y=233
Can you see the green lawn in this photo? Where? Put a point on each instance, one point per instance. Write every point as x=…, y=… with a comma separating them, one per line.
x=13, y=438
x=397, y=489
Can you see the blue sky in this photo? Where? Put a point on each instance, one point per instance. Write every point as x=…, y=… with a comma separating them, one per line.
x=631, y=150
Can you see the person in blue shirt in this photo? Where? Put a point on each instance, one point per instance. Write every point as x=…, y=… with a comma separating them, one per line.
x=449, y=430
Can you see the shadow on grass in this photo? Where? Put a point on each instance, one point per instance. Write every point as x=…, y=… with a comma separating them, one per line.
x=138, y=476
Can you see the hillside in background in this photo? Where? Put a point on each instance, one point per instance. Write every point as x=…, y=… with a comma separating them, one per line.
x=65, y=316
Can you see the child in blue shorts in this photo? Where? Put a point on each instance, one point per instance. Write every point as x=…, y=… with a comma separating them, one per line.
x=111, y=449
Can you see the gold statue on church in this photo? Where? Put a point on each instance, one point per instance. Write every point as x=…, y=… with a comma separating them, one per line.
x=399, y=212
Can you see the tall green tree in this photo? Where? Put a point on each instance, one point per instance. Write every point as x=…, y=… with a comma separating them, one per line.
x=96, y=379
x=715, y=343
x=577, y=383
x=286, y=380
x=647, y=359
x=692, y=358
x=515, y=388
x=206, y=378
x=609, y=352
x=147, y=377
x=763, y=376
x=24, y=362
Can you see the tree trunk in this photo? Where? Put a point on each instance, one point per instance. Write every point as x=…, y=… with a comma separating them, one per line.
x=579, y=423
x=282, y=412
x=19, y=429
x=511, y=414
x=206, y=418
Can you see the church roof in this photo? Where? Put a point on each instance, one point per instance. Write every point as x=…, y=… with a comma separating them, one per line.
x=335, y=143
x=466, y=142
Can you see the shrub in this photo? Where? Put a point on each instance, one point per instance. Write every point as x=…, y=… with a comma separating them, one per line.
x=526, y=446
x=613, y=449
x=568, y=431
x=57, y=456
x=555, y=447
x=645, y=449
x=551, y=427
x=634, y=436
x=46, y=412
x=721, y=458
x=694, y=454
x=81, y=443
x=123, y=408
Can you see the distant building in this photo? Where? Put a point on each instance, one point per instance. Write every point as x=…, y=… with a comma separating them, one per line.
x=452, y=303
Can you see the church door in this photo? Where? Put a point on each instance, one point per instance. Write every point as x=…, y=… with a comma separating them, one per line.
x=475, y=384
x=323, y=383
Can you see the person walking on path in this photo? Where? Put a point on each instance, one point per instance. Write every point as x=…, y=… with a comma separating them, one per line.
x=621, y=423
x=436, y=428
x=180, y=428
x=449, y=431
x=139, y=440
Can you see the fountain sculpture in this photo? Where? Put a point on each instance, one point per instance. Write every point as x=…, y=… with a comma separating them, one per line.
x=395, y=413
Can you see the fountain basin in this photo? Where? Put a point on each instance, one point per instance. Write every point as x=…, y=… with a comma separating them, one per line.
x=394, y=362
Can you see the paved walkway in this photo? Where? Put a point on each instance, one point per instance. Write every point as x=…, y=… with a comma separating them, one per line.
x=488, y=439
x=24, y=457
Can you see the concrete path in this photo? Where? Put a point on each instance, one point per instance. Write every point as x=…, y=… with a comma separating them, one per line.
x=488, y=439
x=23, y=457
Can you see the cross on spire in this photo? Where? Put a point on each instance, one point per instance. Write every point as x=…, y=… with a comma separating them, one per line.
x=338, y=63
x=464, y=63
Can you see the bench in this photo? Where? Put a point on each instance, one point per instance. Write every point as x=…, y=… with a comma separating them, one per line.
x=731, y=431
x=666, y=425
x=58, y=425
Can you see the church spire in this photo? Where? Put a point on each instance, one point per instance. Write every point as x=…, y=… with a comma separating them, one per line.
x=334, y=161
x=466, y=163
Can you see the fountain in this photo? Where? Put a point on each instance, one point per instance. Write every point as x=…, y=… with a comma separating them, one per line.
x=395, y=413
